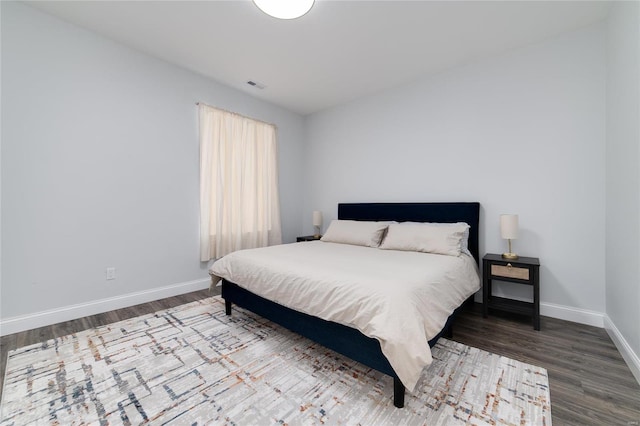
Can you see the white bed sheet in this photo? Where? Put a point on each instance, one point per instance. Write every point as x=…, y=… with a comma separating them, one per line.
x=400, y=298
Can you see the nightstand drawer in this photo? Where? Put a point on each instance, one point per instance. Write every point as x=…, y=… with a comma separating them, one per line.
x=509, y=271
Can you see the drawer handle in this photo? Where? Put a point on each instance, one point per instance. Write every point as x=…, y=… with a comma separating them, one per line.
x=509, y=265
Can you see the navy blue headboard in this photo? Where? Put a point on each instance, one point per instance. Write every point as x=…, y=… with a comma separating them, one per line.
x=418, y=212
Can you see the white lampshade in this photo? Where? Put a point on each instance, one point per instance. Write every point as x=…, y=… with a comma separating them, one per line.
x=509, y=226
x=284, y=9
x=317, y=218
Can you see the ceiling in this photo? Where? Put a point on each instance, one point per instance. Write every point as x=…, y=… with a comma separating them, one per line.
x=339, y=51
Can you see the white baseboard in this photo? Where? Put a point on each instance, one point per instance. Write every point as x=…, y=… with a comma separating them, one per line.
x=630, y=357
x=568, y=313
x=66, y=313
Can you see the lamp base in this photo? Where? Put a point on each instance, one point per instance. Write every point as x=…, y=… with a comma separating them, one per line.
x=511, y=256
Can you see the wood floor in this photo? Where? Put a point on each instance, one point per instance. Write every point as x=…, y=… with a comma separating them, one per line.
x=590, y=382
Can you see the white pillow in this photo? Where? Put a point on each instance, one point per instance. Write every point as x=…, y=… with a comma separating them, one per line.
x=356, y=232
x=464, y=244
x=436, y=238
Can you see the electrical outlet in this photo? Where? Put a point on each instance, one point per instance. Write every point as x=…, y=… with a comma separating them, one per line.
x=111, y=273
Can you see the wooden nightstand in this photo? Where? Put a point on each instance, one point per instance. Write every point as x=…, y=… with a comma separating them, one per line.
x=308, y=238
x=524, y=270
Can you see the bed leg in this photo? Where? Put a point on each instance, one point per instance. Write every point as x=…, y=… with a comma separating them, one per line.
x=448, y=332
x=398, y=393
x=227, y=306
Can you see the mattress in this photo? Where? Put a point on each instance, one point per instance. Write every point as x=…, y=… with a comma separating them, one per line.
x=400, y=298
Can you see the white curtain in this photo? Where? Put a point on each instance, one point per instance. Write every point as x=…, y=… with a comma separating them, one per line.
x=239, y=204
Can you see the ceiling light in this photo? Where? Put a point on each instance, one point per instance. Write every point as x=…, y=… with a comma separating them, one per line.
x=284, y=9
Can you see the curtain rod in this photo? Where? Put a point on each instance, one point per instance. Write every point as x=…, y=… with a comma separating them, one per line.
x=236, y=113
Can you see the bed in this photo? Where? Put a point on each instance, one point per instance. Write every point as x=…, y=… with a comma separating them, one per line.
x=345, y=337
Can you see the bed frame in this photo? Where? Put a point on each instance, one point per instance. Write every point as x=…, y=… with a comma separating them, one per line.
x=346, y=340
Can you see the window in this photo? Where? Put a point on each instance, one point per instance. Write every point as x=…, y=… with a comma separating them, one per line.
x=239, y=204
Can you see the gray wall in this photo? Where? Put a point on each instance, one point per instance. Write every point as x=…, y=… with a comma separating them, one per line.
x=520, y=133
x=100, y=163
x=623, y=172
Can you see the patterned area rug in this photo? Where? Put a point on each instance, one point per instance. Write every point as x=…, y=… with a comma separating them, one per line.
x=194, y=365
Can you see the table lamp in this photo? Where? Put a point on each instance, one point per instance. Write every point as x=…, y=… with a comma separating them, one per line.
x=509, y=231
x=317, y=223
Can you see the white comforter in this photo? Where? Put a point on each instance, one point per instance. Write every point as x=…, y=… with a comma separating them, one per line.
x=400, y=298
